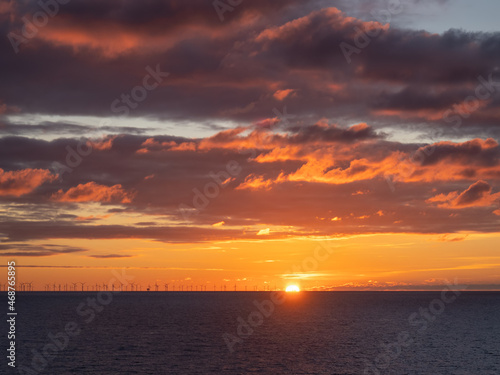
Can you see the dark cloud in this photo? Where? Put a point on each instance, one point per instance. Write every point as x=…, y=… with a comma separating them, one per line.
x=231, y=70
x=317, y=133
x=475, y=152
x=110, y=256
x=473, y=194
x=30, y=250
x=58, y=129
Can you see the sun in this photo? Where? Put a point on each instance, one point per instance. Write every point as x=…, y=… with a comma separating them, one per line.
x=292, y=289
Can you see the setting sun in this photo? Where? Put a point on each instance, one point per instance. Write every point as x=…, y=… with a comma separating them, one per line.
x=292, y=288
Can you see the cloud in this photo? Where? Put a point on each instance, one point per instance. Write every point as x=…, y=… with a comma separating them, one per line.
x=263, y=232
x=92, y=217
x=477, y=195
x=265, y=55
x=313, y=173
x=478, y=152
x=317, y=138
x=109, y=256
x=25, y=230
x=92, y=192
x=282, y=94
x=8, y=127
x=448, y=238
x=30, y=250
x=21, y=182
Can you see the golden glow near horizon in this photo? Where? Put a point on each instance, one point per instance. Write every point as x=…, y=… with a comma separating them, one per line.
x=381, y=261
x=292, y=289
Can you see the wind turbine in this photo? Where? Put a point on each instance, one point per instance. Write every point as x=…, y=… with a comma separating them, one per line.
x=166, y=287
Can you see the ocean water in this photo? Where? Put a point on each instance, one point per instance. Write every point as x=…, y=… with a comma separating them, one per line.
x=238, y=333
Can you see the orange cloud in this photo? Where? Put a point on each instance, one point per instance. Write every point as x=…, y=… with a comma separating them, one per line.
x=112, y=37
x=17, y=183
x=151, y=145
x=256, y=182
x=477, y=195
x=333, y=16
x=92, y=217
x=92, y=192
x=330, y=154
x=333, y=155
x=449, y=238
x=282, y=94
x=427, y=114
x=104, y=144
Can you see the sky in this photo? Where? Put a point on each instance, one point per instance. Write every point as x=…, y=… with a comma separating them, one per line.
x=335, y=145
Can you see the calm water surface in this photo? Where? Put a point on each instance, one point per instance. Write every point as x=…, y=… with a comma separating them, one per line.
x=308, y=333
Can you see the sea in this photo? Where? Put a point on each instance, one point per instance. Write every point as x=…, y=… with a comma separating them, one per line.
x=184, y=333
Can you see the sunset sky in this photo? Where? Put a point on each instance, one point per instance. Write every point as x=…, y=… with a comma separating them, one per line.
x=331, y=144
